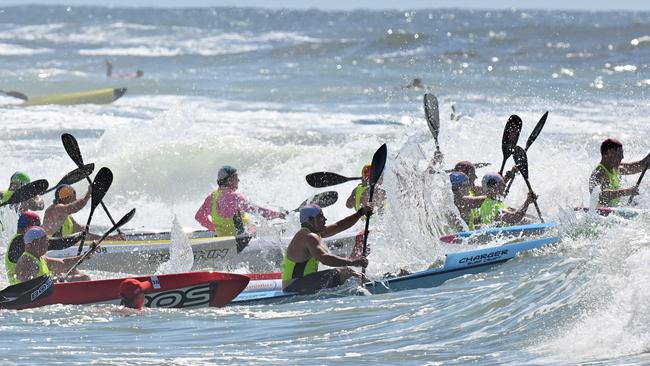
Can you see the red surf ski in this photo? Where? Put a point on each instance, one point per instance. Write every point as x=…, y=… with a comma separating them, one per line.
x=178, y=290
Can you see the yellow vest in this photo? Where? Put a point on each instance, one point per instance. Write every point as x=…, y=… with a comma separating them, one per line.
x=474, y=214
x=614, y=183
x=223, y=226
x=304, y=268
x=490, y=210
x=42, y=266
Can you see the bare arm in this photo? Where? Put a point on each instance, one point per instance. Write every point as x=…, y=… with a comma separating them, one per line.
x=204, y=213
x=349, y=203
x=599, y=178
x=515, y=217
x=634, y=167
x=342, y=225
x=75, y=206
x=320, y=252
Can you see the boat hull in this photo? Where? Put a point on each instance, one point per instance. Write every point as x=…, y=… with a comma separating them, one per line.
x=97, y=96
x=179, y=290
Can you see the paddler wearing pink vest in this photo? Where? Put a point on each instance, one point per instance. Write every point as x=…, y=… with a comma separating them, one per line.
x=223, y=211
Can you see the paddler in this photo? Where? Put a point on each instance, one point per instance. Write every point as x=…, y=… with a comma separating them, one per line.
x=33, y=262
x=493, y=211
x=19, y=179
x=468, y=205
x=607, y=175
x=307, y=249
x=360, y=194
x=469, y=169
x=58, y=220
x=16, y=246
x=223, y=211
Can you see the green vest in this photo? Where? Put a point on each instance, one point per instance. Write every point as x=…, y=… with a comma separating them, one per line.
x=10, y=266
x=6, y=195
x=490, y=210
x=42, y=265
x=358, y=192
x=67, y=228
x=223, y=226
x=293, y=270
x=474, y=214
x=614, y=182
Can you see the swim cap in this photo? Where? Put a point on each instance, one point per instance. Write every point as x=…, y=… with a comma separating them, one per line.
x=20, y=178
x=307, y=211
x=28, y=219
x=34, y=233
x=64, y=191
x=225, y=172
x=466, y=167
x=130, y=288
x=365, y=171
x=609, y=144
x=458, y=179
x=491, y=179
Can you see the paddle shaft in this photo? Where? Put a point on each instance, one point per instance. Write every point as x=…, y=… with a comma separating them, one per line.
x=530, y=189
x=365, y=232
x=638, y=182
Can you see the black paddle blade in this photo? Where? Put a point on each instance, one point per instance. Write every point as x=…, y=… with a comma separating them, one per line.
x=325, y=199
x=536, y=130
x=521, y=160
x=378, y=163
x=511, y=135
x=432, y=114
x=75, y=176
x=101, y=184
x=326, y=179
x=24, y=293
x=125, y=219
x=29, y=190
x=72, y=148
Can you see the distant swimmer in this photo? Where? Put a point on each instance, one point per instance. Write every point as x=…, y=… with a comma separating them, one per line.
x=121, y=75
x=223, y=211
x=415, y=84
x=607, y=175
x=455, y=116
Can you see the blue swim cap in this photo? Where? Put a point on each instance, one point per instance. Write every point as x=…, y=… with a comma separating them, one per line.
x=307, y=211
x=458, y=179
x=34, y=233
x=490, y=179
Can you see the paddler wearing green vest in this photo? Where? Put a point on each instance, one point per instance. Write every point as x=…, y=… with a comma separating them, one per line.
x=306, y=250
x=33, y=262
x=360, y=194
x=607, y=175
x=17, y=180
x=223, y=211
x=58, y=220
x=16, y=245
x=468, y=205
x=493, y=211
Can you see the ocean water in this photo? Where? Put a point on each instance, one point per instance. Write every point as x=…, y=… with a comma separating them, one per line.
x=280, y=94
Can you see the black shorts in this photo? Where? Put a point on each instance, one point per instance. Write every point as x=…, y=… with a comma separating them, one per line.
x=315, y=281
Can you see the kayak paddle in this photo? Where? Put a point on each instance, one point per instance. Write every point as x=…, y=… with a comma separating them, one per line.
x=323, y=199
x=72, y=148
x=510, y=137
x=28, y=191
x=531, y=139
x=638, y=182
x=432, y=114
x=327, y=179
x=126, y=218
x=100, y=185
x=378, y=163
x=75, y=176
x=522, y=164
x=15, y=94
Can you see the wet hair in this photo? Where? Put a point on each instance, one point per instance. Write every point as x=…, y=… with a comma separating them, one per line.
x=610, y=144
